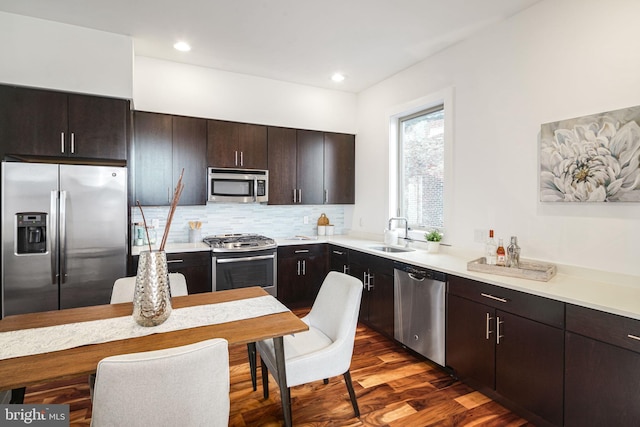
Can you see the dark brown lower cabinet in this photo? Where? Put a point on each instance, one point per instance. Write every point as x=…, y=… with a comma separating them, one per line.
x=196, y=267
x=492, y=345
x=602, y=372
x=376, y=273
x=301, y=271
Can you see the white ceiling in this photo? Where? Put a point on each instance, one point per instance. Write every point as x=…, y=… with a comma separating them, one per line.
x=300, y=41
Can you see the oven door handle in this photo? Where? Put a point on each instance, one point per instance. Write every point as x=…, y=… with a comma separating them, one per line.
x=243, y=259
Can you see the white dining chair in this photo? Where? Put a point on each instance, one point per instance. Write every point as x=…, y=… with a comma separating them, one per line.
x=124, y=288
x=180, y=386
x=325, y=350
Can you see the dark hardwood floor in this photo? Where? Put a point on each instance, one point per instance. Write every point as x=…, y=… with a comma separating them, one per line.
x=394, y=388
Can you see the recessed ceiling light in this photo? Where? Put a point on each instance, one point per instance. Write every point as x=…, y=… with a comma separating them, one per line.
x=337, y=77
x=182, y=46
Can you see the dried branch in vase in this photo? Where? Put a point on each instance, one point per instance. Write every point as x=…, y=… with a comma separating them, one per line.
x=172, y=208
x=144, y=221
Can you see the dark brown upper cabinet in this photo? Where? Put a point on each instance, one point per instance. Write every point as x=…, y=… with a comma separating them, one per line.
x=310, y=167
x=339, y=168
x=36, y=122
x=164, y=145
x=236, y=145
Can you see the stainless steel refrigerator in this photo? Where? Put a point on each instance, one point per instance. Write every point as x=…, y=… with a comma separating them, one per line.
x=64, y=235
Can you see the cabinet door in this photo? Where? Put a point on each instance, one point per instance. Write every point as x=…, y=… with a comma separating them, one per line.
x=196, y=267
x=310, y=167
x=153, y=161
x=339, y=168
x=32, y=122
x=602, y=384
x=381, y=299
x=282, y=165
x=222, y=144
x=359, y=270
x=338, y=259
x=252, y=145
x=97, y=127
x=530, y=365
x=189, y=153
x=470, y=344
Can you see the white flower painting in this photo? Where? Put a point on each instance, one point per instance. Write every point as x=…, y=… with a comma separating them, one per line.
x=591, y=159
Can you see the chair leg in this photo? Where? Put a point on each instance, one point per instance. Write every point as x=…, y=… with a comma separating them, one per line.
x=352, y=394
x=265, y=380
x=251, y=349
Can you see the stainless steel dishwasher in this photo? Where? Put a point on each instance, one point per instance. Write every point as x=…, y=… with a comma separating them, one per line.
x=419, y=311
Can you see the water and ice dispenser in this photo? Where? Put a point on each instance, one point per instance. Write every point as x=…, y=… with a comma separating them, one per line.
x=31, y=230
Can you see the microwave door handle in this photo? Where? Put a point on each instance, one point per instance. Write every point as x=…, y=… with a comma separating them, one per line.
x=255, y=189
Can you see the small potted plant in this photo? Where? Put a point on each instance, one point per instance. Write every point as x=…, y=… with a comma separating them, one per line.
x=433, y=240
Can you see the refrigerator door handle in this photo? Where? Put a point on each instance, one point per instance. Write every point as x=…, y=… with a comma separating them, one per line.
x=53, y=236
x=63, y=237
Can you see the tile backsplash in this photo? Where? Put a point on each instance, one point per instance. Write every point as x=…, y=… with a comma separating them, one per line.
x=223, y=218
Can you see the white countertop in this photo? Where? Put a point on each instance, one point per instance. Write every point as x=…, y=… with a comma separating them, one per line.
x=609, y=292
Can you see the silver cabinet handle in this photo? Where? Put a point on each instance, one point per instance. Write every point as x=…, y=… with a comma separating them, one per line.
x=302, y=251
x=62, y=142
x=175, y=261
x=488, y=326
x=236, y=159
x=338, y=252
x=498, y=323
x=304, y=267
x=242, y=158
x=73, y=143
x=299, y=195
x=633, y=337
x=295, y=200
x=493, y=298
x=345, y=269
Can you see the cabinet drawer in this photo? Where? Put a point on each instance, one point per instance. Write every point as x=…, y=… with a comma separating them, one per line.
x=300, y=250
x=188, y=259
x=610, y=328
x=372, y=262
x=526, y=305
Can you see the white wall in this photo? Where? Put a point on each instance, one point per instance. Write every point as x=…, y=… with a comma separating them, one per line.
x=557, y=60
x=174, y=88
x=46, y=54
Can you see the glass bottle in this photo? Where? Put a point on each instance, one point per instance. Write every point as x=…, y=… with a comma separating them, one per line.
x=490, y=249
x=501, y=255
x=513, y=253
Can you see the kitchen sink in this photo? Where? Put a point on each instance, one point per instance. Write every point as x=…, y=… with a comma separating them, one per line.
x=390, y=249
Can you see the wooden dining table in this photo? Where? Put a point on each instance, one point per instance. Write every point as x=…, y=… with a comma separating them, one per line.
x=19, y=372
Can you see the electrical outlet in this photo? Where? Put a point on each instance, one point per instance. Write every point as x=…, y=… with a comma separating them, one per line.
x=305, y=219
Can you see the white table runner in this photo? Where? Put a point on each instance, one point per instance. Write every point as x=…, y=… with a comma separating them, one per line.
x=27, y=342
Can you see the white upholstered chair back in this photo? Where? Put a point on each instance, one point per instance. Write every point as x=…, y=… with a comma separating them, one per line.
x=180, y=386
x=123, y=288
x=325, y=350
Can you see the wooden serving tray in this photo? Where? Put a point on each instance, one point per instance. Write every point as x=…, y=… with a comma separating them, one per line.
x=534, y=270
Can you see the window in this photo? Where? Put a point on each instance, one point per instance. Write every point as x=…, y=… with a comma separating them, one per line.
x=421, y=155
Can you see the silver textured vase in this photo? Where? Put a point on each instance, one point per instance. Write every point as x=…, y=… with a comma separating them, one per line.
x=152, y=295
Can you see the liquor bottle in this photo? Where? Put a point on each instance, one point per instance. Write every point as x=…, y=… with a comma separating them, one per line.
x=513, y=253
x=501, y=255
x=490, y=249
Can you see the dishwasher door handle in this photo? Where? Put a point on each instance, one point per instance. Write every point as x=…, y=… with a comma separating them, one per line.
x=417, y=278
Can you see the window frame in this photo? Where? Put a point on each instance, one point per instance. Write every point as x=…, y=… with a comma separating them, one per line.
x=444, y=99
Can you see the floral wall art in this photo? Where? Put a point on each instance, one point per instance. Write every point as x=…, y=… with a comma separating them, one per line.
x=592, y=158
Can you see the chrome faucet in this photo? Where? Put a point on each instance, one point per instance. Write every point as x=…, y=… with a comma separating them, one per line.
x=406, y=226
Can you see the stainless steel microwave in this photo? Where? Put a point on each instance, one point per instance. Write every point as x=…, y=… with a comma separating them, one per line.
x=237, y=185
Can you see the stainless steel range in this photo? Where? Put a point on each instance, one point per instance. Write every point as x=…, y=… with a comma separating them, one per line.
x=243, y=260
